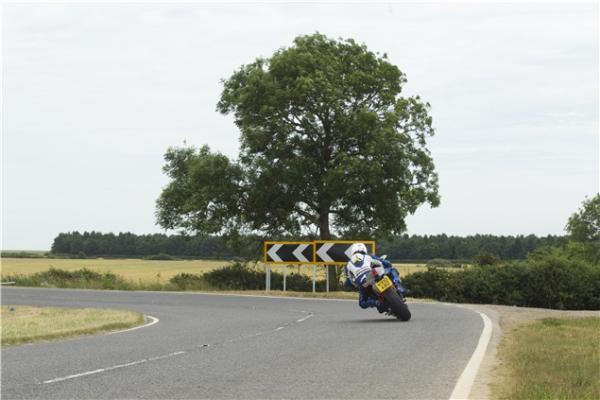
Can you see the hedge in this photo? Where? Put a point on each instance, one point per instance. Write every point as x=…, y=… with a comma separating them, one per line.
x=550, y=282
x=239, y=277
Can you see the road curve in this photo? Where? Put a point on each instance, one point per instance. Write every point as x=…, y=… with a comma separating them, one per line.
x=214, y=346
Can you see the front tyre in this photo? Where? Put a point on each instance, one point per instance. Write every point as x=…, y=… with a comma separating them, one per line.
x=397, y=305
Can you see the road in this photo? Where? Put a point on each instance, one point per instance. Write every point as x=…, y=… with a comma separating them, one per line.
x=215, y=346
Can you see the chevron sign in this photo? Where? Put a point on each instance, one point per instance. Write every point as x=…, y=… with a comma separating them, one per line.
x=337, y=251
x=330, y=252
x=289, y=252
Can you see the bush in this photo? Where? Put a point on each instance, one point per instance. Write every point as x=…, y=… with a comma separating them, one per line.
x=185, y=281
x=485, y=258
x=238, y=276
x=82, y=278
x=548, y=281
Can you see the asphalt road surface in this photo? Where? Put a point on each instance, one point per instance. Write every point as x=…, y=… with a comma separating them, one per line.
x=214, y=346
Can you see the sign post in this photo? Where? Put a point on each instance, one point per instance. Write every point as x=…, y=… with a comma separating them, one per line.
x=268, y=278
x=284, y=275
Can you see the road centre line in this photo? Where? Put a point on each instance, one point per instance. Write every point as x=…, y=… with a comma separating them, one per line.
x=305, y=318
x=129, y=364
x=177, y=353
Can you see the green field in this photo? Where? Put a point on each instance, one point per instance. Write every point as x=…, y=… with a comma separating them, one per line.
x=150, y=270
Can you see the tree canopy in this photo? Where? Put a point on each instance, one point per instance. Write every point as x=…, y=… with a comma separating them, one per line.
x=584, y=225
x=404, y=247
x=329, y=146
x=583, y=228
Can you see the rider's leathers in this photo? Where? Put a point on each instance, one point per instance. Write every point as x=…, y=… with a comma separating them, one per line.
x=357, y=270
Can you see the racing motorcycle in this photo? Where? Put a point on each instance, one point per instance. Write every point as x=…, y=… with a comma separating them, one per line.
x=384, y=282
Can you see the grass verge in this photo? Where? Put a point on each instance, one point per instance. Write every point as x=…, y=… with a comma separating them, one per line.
x=554, y=358
x=22, y=324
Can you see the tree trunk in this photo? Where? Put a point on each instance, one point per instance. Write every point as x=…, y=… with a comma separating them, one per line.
x=325, y=234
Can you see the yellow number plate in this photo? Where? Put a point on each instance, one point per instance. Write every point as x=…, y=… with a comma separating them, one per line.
x=383, y=284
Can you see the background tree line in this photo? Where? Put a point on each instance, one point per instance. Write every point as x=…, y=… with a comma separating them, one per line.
x=404, y=247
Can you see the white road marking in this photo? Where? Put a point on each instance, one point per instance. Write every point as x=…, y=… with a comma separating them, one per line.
x=467, y=378
x=145, y=360
x=305, y=318
x=129, y=364
x=153, y=321
x=183, y=293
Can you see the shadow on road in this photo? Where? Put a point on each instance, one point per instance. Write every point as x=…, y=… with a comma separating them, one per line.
x=370, y=321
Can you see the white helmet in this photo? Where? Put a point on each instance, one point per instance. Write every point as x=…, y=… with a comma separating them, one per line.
x=358, y=248
x=358, y=251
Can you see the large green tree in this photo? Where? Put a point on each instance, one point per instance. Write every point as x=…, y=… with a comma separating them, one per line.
x=329, y=146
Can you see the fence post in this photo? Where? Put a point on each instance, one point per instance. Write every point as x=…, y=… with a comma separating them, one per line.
x=314, y=278
x=284, y=276
x=327, y=279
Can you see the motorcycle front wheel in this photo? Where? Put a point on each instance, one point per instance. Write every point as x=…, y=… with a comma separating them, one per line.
x=397, y=305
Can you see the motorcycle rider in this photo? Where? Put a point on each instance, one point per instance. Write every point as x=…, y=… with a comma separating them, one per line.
x=357, y=271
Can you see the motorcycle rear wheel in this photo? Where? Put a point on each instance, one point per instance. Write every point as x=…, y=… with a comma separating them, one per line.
x=397, y=304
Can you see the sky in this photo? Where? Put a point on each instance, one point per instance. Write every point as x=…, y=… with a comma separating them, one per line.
x=93, y=94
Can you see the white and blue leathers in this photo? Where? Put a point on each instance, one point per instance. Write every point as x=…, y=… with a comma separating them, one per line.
x=358, y=271
x=359, y=268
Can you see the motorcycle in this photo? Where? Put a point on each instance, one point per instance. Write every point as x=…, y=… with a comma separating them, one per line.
x=384, y=282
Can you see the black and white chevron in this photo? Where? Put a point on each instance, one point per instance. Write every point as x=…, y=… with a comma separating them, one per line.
x=289, y=252
x=337, y=252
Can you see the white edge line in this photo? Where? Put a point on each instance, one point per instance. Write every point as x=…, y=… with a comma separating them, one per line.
x=153, y=321
x=467, y=378
x=192, y=293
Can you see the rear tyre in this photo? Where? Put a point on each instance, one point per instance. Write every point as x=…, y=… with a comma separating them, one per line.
x=397, y=304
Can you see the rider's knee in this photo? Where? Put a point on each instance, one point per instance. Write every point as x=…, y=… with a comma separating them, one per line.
x=366, y=303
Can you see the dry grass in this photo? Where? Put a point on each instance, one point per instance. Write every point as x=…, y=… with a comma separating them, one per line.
x=137, y=270
x=130, y=269
x=21, y=324
x=555, y=358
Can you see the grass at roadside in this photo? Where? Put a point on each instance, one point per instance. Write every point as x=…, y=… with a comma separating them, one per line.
x=22, y=324
x=150, y=271
x=550, y=359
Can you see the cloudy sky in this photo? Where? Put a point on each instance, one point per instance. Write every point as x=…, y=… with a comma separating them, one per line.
x=93, y=95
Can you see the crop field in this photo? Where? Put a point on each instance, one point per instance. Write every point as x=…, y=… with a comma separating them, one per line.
x=152, y=270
